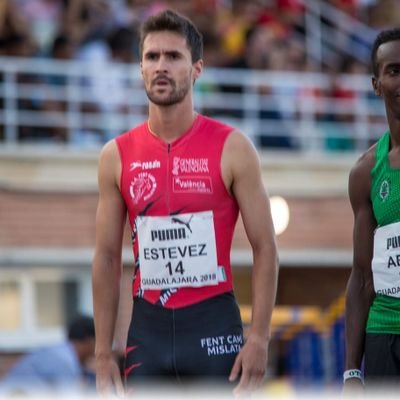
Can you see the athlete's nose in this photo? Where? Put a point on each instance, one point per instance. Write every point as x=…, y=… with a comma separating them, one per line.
x=162, y=64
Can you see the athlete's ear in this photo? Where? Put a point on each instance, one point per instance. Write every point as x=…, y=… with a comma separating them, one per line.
x=197, y=69
x=376, y=86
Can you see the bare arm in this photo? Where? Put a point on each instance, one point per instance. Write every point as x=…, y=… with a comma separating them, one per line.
x=106, y=269
x=248, y=189
x=360, y=290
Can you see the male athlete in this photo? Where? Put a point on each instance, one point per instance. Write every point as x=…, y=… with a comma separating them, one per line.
x=182, y=179
x=373, y=291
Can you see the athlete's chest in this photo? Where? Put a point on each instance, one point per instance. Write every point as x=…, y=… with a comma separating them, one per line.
x=165, y=179
x=386, y=197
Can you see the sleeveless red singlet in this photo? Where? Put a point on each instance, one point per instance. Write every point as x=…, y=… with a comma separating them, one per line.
x=183, y=177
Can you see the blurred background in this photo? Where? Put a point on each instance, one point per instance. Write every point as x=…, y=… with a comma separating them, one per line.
x=292, y=74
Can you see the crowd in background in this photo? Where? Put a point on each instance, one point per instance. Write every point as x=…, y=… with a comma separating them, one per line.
x=257, y=35
x=262, y=34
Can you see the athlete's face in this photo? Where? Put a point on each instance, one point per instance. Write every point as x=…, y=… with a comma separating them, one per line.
x=387, y=83
x=167, y=69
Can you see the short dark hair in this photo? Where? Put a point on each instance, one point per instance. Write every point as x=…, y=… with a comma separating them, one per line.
x=172, y=21
x=388, y=35
x=81, y=328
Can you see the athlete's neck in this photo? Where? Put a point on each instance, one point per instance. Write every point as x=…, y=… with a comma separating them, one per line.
x=394, y=128
x=170, y=123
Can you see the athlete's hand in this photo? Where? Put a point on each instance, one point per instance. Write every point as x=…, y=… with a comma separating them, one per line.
x=108, y=377
x=250, y=364
x=353, y=388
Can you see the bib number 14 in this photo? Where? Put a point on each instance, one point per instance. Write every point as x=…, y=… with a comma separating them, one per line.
x=178, y=268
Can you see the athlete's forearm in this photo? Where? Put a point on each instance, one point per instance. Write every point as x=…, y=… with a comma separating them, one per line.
x=358, y=301
x=106, y=290
x=264, y=286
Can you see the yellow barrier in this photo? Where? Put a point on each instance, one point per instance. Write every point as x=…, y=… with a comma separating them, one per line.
x=288, y=320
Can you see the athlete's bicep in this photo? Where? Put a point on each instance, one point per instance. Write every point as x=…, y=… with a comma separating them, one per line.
x=364, y=220
x=248, y=189
x=111, y=209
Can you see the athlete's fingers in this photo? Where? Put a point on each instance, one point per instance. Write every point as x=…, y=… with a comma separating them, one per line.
x=119, y=387
x=255, y=382
x=237, y=366
x=243, y=385
x=257, y=377
x=104, y=385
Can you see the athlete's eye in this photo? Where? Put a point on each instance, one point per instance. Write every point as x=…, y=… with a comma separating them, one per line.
x=173, y=55
x=151, y=56
x=395, y=70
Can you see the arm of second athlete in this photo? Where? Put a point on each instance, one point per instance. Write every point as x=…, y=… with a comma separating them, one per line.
x=360, y=290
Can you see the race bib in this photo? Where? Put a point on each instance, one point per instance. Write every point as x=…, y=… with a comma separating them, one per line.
x=177, y=251
x=386, y=260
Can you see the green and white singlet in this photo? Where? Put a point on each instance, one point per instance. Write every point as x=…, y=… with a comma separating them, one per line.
x=384, y=314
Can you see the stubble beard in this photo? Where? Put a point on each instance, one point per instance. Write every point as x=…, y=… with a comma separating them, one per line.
x=175, y=97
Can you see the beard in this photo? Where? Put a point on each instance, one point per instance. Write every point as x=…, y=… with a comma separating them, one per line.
x=176, y=95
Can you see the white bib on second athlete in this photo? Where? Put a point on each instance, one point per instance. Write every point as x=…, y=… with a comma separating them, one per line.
x=386, y=260
x=177, y=251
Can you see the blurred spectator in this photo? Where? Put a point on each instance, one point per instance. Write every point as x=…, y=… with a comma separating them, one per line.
x=86, y=20
x=15, y=38
x=114, y=91
x=350, y=7
x=234, y=23
x=259, y=43
x=296, y=57
x=10, y=20
x=38, y=94
x=14, y=44
x=212, y=50
x=90, y=22
x=279, y=108
x=18, y=45
x=42, y=19
x=385, y=14
x=291, y=13
x=341, y=109
x=107, y=90
x=55, y=369
x=62, y=49
x=21, y=45
x=121, y=42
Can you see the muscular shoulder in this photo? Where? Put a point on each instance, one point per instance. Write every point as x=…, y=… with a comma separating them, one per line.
x=239, y=145
x=360, y=176
x=109, y=152
x=363, y=166
x=239, y=158
x=109, y=161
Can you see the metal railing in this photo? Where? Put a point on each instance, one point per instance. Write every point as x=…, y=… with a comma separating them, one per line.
x=330, y=32
x=85, y=104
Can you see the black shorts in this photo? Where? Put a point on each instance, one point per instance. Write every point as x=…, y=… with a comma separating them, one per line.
x=382, y=360
x=186, y=345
